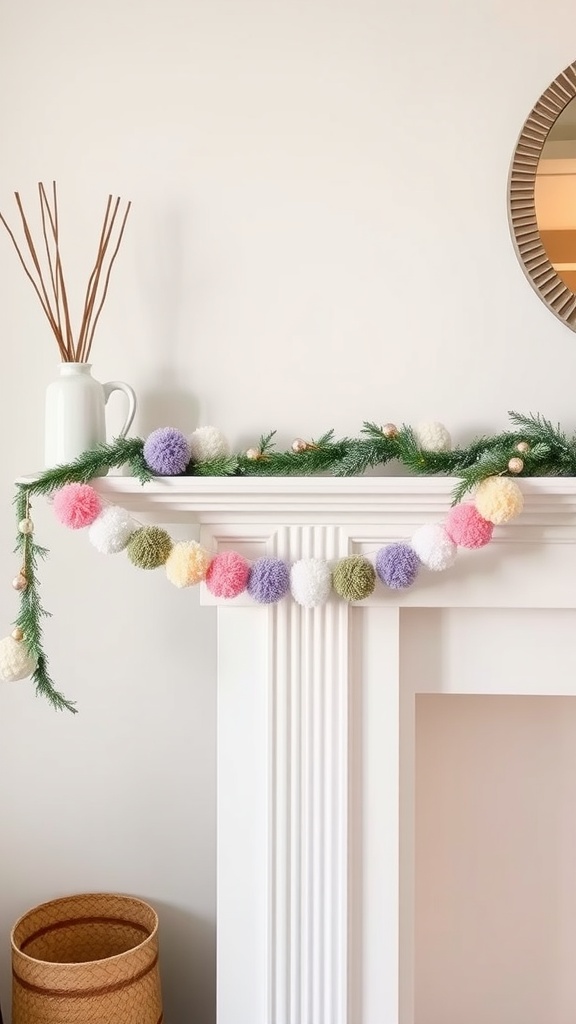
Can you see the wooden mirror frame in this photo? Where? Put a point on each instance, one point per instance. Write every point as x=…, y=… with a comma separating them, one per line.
x=521, y=204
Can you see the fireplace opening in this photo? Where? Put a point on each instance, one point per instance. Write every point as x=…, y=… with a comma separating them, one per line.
x=494, y=896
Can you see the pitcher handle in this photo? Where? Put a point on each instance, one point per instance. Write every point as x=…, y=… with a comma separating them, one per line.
x=118, y=385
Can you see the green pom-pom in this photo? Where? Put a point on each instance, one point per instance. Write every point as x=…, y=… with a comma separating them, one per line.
x=149, y=547
x=354, y=578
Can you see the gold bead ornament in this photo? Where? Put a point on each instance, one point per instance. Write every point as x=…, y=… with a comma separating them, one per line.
x=390, y=430
x=299, y=445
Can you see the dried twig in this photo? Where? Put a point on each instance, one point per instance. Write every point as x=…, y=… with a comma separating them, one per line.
x=108, y=228
x=44, y=207
x=107, y=281
x=55, y=305
x=84, y=324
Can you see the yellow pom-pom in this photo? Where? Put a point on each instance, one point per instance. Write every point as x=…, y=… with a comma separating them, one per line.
x=187, y=564
x=499, y=499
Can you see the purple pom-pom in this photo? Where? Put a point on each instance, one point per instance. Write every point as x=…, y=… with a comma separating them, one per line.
x=166, y=451
x=397, y=565
x=269, y=580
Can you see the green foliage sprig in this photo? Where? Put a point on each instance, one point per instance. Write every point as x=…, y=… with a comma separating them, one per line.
x=123, y=452
x=32, y=611
x=550, y=453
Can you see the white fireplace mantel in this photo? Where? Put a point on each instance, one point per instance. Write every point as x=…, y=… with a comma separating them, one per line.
x=322, y=500
x=310, y=714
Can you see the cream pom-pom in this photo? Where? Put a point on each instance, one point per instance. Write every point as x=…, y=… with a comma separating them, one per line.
x=434, y=547
x=112, y=530
x=187, y=564
x=208, y=443
x=499, y=499
x=310, y=582
x=16, y=662
x=433, y=437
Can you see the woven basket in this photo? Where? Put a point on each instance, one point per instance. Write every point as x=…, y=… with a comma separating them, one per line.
x=87, y=959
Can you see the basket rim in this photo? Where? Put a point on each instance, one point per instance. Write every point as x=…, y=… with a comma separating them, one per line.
x=83, y=895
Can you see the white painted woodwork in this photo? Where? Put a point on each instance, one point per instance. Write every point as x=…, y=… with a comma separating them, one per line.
x=316, y=727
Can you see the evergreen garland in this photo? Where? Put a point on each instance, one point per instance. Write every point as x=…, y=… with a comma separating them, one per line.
x=549, y=453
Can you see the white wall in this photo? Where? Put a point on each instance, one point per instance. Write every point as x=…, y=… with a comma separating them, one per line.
x=318, y=237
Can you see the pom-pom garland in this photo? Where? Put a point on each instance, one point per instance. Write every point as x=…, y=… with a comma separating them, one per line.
x=187, y=564
x=77, y=505
x=228, y=574
x=166, y=451
x=112, y=530
x=310, y=580
x=149, y=547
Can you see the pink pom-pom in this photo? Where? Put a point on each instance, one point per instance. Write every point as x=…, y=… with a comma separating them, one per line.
x=77, y=505
x=466, y=527
x=227, y=574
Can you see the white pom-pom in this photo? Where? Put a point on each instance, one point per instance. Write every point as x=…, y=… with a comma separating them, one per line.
x=310, y=582
x=433, y=437
x=208, y=443
x=15, y=660
x=112, y=530
x=434, y=548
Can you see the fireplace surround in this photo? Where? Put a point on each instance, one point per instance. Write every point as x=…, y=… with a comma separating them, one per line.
x=316, y=728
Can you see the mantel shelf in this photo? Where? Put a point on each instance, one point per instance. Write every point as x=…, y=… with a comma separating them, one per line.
x=327, y=500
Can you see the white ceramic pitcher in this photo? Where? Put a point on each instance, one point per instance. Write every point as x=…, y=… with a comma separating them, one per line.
x=76, y=413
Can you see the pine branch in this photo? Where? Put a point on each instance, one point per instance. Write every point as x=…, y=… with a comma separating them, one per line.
x=360, y=455
x=265, y=444
x=213, y=467
x=32, y=612
x=315, y=459
x=125, y=451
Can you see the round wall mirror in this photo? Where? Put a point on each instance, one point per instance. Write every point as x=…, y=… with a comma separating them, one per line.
x=542, y=197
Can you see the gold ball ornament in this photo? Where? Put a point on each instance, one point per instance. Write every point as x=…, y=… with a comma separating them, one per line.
x=253, y=454
x=389, y=430
x=523, y=447
x=516, y=465
x=26, y=526
x=17, y=634
x=299, y=445
x=20, y=582
x=16, y=662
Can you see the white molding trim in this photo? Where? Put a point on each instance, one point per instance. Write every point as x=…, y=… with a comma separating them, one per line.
x=309, y=798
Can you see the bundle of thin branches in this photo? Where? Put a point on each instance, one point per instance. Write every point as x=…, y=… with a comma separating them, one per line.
x=48, y=280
